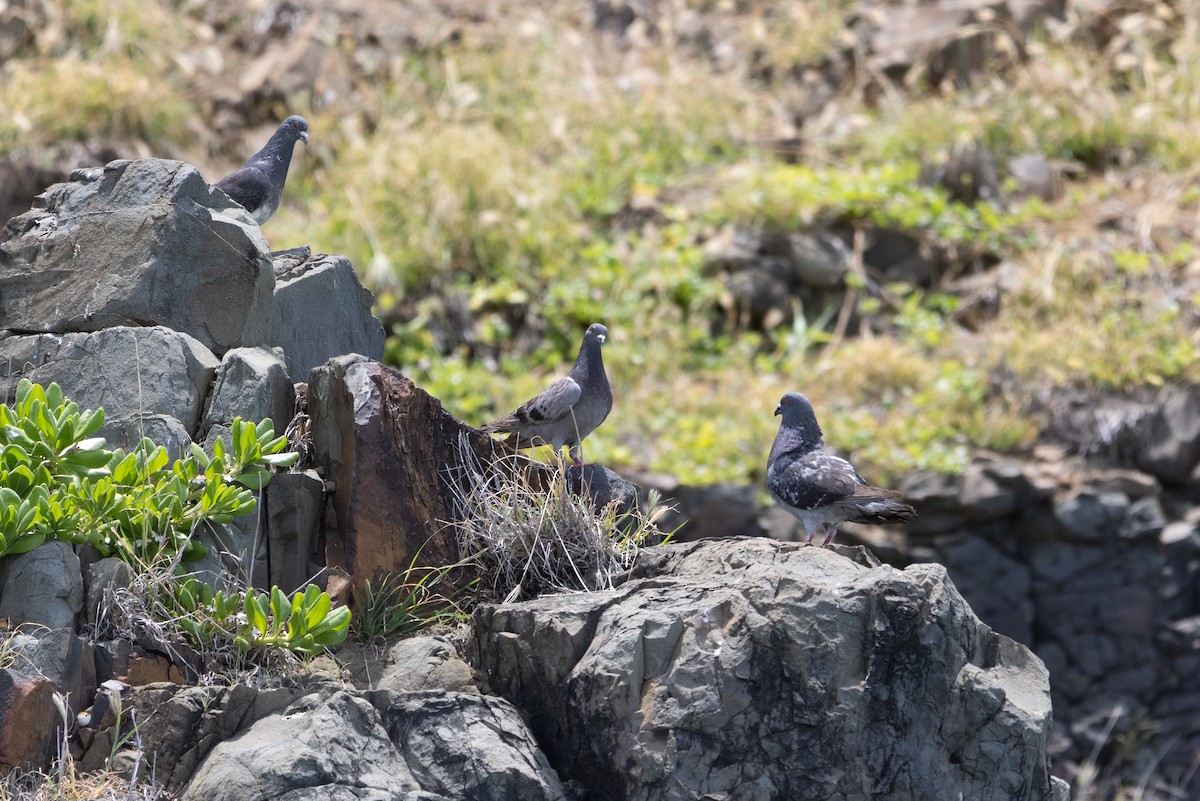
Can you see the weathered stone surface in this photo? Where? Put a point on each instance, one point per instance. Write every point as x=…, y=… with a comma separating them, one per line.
x=101, y=578
x=1091, y=515
x=43, y=587
x=162, y=429
x=464, y=745
x=295, y=511
x=322, y=747
x=997, y=586
x=720, y=510
x=130, y=372
x=338, y=744
x=386, y=445
x=29, y=721
x=140, y=243
x=603, y=487
x=178, y=726
x=63, y=658
x=321, y=310
x=1170, y=436
x=426, y=663
x=253, y=384
x=237, y=550
x=748, y=668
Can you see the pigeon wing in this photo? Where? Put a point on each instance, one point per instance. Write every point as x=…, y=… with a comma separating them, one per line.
x=813, y=479
x=248, y=186
x=553, y=403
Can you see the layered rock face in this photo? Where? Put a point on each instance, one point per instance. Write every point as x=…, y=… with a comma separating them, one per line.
x=749, y=669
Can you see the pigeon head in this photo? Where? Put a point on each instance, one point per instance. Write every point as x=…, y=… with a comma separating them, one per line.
x=798, y=416
x=595, y=333
x=297, y=127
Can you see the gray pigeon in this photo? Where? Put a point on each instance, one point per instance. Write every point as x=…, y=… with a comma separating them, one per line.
x=567, y=410
x=820, y=489
x=258, y=184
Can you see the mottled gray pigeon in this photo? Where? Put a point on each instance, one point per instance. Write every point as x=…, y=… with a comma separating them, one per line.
x=820, y=489
x=567, y=410
x=258, y=184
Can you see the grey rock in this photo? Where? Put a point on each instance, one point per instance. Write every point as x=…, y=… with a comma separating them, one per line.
x=426, y=663
x=130, y=372
x=137, y=243
x=102, y=578
x=177, y=727
x=754, y=669
x=237, y=553
x=1057, y=564
x=1035, y=176
x=29, y=721
x=295, y=511
x=43, y=587
x=1091, y=515
x=464, y=745
x=337, y=744
x=253, y=384
x=755, y=298
x=818, y=260
x=1144, y=519
x=603, y=487
x=898, y=256
x=1170, y=436
x=112, y=658
x=126, y=432
x=718, y=510
x=321, y=310
x=936, y=498
x=997, y=586
x=985, y=497
x=63, y=658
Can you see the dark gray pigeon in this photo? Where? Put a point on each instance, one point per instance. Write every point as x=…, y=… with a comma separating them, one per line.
x=258, y=184
x=567, y=410
x=820, y=489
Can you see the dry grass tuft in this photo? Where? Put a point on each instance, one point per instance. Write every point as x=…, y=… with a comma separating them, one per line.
x=527, y=539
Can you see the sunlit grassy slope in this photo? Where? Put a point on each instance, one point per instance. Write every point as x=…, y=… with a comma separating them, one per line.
x=501, y=168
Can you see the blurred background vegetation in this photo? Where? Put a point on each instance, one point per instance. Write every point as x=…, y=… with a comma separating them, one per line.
x=502, y=177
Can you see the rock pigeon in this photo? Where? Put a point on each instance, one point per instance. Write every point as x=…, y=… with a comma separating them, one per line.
x=820, y=489
x=567, y=410
x=258, y=184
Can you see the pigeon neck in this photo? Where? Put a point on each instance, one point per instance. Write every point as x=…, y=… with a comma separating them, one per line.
x=802, y=438
x=590, y=362
x=276, y=157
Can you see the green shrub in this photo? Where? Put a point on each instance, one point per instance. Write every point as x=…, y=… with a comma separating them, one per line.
x=58, y=481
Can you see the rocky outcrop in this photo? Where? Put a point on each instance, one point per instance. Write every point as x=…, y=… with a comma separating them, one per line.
x=134, y=374
x=137, y=243
x=43, y=587
x=321, y=310
x=746, y=668
x=28, y=719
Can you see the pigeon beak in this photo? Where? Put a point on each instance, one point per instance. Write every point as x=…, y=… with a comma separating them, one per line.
x=601, y=338
x=304, y=137
x=779, y=410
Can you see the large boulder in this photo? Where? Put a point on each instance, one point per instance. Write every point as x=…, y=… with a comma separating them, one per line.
x=746, y=668
x=253, y=384
x=381, y=746
x=321, y=310
x=138, y=375
x=137, y=243
x=389, y=449
x=27, y=721
x=42, y=588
